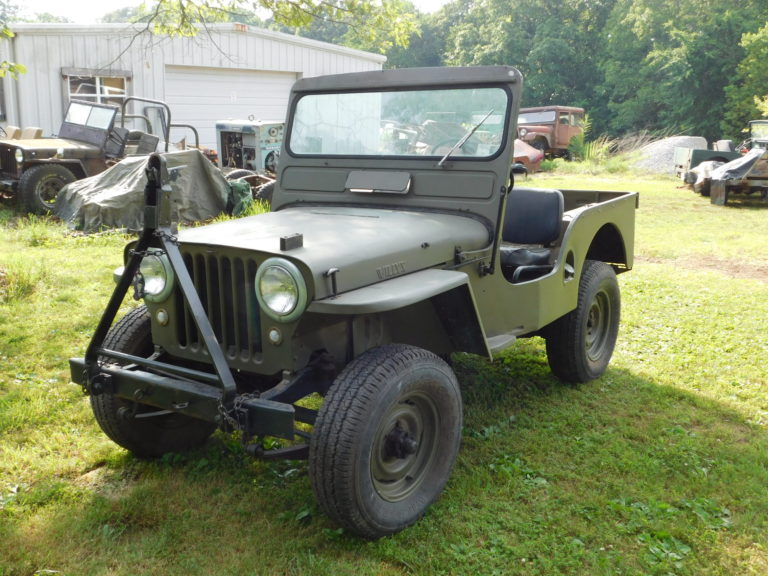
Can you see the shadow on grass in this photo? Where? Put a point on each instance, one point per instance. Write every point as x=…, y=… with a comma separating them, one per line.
x=621, y=475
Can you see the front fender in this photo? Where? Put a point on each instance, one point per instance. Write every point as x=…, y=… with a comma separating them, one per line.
x=449, y=292
x=73, y=165
x=392, y=294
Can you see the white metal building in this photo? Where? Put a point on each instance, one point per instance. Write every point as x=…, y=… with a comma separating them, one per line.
x=227, y=71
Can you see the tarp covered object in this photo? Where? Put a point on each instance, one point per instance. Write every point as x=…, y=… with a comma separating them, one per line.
x=739, y=168
x=115, y=198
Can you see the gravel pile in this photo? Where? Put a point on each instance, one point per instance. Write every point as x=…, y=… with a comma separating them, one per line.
x=659, y=157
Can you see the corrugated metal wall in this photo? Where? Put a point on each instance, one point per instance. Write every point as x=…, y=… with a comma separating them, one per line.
x=39, y=97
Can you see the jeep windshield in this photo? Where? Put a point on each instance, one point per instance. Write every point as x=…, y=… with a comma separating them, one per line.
x=408, y=123
x=91, y=116
x=546, y=117
x=88, y=123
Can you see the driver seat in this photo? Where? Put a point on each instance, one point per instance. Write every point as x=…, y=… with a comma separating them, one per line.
x=532, y=222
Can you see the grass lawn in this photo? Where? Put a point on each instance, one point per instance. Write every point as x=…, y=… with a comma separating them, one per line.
x=660, y=467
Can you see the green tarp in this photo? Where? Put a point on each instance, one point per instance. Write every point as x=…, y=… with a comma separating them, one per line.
x=115, y=198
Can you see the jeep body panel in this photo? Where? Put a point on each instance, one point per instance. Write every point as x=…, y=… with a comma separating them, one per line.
x=84, y=158
x=362, y=253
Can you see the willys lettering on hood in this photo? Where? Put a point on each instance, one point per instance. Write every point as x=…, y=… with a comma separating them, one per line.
x=359, y=242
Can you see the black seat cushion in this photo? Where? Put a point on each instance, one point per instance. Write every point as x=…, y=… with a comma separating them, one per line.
x=532, y=218
x=515, y=256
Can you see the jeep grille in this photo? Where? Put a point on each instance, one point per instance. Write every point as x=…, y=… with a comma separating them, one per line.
x=225, y=287
x=8, y=161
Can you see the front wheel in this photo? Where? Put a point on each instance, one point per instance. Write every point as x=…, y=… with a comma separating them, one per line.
x=386, y=439
x=146, y=436
x=581, y=343
x=39, y=186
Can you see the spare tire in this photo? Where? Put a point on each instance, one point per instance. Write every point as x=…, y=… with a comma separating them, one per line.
x=265, y=192
x=239, y=173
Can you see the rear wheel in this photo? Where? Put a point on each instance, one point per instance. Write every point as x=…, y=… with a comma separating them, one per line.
x=581, y=343
x=540, y=144
x=150, y=436
x=386, y=439
x=39, y=186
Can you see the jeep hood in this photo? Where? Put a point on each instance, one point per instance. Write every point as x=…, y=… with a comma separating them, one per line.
x=365, y=245
x=51, y=145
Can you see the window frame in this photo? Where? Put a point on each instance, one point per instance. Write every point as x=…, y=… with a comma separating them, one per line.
x=101, y=95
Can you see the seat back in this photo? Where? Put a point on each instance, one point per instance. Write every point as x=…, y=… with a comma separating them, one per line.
x=31, y=132
x=115, y=146
x=141, y=143
x=12, y=132
x=533, y=216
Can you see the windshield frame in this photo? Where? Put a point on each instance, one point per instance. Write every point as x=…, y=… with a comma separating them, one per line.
x=758, y=130
x=501, y=126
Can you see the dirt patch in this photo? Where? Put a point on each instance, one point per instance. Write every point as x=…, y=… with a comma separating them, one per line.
x=749, y=271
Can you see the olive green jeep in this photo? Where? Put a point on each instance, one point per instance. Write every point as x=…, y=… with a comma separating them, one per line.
x=91, y=138
x=395, y=239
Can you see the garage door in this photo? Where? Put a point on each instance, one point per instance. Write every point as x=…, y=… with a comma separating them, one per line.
x=203, y=96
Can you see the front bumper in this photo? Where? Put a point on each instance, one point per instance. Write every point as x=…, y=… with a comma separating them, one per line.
x=254, y=416
x=8, y=184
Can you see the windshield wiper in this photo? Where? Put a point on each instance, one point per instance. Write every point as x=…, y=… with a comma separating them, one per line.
x=464, y=138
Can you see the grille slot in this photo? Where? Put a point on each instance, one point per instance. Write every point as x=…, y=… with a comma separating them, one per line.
x=225, y=287
x=8, y=161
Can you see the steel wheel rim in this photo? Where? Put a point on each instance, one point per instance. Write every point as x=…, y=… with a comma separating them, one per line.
x=597, y=328
x=395, y=478
x=48, y=190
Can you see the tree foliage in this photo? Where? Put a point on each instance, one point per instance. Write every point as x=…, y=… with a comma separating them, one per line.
x=747, y=97
x=8, y=12
x=672, y=66
x=682, y=66
x=368, y=24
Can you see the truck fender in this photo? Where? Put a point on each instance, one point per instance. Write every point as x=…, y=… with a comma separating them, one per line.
x=449, y=292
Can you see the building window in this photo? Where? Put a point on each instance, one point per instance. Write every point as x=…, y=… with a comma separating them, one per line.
x=97, y=87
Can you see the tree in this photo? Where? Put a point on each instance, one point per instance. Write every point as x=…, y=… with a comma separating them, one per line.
x=8, y=12
x=127, y=14
x=374, y=24
x=747, y=97
x=556, y=45
x=668, y=63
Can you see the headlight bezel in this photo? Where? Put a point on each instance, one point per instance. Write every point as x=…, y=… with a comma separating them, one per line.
x=169, y=277
x=19, y=156
x=281, y=265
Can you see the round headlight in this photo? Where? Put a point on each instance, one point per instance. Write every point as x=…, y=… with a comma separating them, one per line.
x=158, y=277
x=523, y=132
x=280, y=289
x=19, y=155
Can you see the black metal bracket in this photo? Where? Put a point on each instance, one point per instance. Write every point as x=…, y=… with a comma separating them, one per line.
x=158, y=233
x=316, y=376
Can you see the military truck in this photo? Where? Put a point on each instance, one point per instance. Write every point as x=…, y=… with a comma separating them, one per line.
x=88, y=142
x=330, y=321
